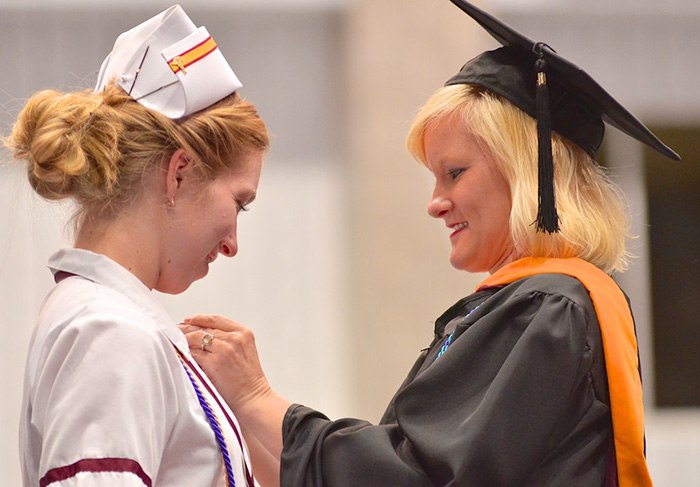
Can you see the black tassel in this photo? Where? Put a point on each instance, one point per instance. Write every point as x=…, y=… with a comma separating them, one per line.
x=547, y=218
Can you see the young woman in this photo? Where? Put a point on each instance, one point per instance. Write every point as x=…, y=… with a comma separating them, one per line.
x=160, y=159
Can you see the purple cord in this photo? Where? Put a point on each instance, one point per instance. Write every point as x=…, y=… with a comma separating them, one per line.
x=214, y=426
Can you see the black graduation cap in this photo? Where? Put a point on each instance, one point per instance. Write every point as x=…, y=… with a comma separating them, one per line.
x=557, y=93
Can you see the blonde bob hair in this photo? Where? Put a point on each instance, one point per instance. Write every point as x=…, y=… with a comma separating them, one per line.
x=593, y=215
x=97, y=147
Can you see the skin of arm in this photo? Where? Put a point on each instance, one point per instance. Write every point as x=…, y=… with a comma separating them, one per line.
x=266, y=467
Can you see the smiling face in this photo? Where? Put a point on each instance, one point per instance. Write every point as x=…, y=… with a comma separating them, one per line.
x=471, y=196
x=203, y=222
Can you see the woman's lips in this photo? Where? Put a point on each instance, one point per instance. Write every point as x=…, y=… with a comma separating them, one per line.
x=458, y=227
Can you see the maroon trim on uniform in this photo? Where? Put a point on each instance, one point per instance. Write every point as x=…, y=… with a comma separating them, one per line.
x=249, y=476
x=61, y=275
x=95, y=465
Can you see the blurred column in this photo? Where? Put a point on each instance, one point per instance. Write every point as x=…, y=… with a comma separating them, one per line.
x=399, y=52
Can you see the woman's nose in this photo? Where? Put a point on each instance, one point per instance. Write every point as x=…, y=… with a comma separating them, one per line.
x=438, y=207
x=229, y=246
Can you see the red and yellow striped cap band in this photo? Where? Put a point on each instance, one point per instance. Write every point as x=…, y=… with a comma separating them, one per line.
x=191, y=56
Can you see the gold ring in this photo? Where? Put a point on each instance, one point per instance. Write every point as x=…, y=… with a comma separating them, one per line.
x=206, y=340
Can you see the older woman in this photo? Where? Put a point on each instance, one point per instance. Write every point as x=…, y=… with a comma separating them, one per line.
x=532, y=379
x=159, y=159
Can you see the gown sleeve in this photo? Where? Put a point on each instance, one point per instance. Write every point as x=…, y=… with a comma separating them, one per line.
x=511, y=402
x=101, y=398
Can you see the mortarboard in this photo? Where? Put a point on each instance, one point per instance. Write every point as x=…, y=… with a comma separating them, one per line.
x=558, y=94
x=170, y=65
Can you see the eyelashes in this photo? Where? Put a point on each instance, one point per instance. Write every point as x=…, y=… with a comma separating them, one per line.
x=454, y=173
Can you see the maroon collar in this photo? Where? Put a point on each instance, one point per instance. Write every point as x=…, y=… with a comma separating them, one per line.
x=61, y=275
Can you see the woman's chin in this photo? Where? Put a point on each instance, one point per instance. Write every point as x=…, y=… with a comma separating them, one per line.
x=460, y=262
x=177, y=287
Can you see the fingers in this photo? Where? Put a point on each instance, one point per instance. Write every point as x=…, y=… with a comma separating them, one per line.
x=200, y=339
x=213, y=321
x=186, y=329
x=209, y=339
x=218, y=340
x=227, y=353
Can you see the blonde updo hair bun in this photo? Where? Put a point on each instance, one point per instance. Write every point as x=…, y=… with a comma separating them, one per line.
x=97, y=148
x=70, y=147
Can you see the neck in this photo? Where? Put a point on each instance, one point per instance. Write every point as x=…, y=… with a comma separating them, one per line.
x=128, y=239
x=509, y=257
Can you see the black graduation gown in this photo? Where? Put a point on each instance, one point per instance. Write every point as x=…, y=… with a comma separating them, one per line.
x=519, y=398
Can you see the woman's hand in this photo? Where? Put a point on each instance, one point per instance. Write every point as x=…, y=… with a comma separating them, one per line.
x=231, y=361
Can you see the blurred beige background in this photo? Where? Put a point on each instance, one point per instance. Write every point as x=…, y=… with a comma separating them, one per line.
x=341, y=273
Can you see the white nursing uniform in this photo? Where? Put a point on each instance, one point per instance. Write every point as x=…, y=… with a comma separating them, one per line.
x=107, y=399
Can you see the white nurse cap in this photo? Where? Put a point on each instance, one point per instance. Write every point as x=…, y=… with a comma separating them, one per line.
x=169, y=65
